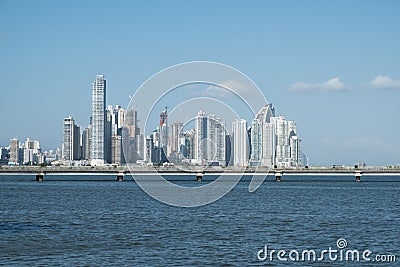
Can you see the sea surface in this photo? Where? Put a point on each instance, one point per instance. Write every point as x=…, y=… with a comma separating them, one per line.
x=96, y=221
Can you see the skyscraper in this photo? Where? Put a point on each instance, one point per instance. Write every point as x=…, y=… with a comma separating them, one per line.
x=263, y=138
x=72, y=140
x=295, y=151
x=188, y=147
x=174, y=135
x=14, y=152
x=210, y=140
x=274, y=140
x=240, y=143
x=87, y=143
x=216, y=134
x=107, y=135
x=268, y=144
x=98, y=120
x=164, y=131
x=200, y=151
x=283, y=141
x=116, y=149
x=147, y=157
x=130, y=132
x=31, y=150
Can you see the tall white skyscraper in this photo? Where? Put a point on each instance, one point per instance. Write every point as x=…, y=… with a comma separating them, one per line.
x=210, y=139
x=295, y=151
x=240, y=143
x=175, y=134
x=216, y=133
x=98, y=120
x=72, y=140
x=200, y=150
x=262, y=137
x=282, y=141
x=256, y=141
x=268, y=144
x=287, y=143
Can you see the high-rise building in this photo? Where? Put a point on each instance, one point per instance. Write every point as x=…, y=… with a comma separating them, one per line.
x=117, y=119
x=31, y=150
x=71, y=145
x=130, y=132
x=240, y=143
x=174, y=137
x=107, y=135
x=216, y=134
x=163, y=128
x=187, y=148
x=160, y=142
x=114, y=128
x=140, y=144
x=283, y=134
x=274, y=140
x=4, y=154
x=14, y=152
x=262, y=137
x=131, y=122
x=120, y=116
x=86, y=143
x=116, y=149
x=268, y=144
x=295, y=151
x=256, y=141
x=210, y=135
x=98, y=121
x=228, y=150
x=200, y=150
x=149, y=147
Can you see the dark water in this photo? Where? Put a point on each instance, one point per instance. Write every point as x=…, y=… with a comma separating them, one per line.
x=105, y=223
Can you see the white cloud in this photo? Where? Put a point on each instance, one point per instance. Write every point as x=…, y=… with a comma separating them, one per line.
x=214, y=90
x=332, y=85
x=385, y=82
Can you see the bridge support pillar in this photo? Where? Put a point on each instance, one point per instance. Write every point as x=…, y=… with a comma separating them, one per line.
x=39, y=177
x=358, y=175
x=278, y=176
x=199, y=177
x=120, y=176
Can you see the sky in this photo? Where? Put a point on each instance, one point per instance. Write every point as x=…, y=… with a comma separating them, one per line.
x=331, y=66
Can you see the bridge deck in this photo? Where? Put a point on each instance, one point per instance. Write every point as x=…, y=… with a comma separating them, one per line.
x=195, y=170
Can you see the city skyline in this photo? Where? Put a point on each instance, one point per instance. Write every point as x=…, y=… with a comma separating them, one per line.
x=333, y=67
x=115, y=136
x=199, y=133
x=283, y=148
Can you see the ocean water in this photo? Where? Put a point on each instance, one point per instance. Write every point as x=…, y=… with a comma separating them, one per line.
x=99, y=222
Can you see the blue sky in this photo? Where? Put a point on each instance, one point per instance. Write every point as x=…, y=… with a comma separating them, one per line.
x=332, y=66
